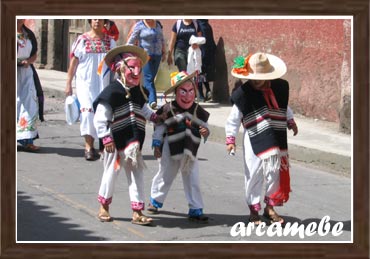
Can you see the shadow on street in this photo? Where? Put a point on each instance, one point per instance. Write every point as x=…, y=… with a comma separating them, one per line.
x=36, y=223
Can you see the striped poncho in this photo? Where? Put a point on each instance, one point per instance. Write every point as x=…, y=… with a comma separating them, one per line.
x=266, y=125
x=183, y=128
x=128, y=123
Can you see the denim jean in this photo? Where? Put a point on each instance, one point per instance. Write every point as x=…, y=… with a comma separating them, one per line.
x=149, y=72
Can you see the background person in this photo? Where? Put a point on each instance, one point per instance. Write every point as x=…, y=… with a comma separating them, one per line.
x=28, y=108
x=148, y=35
x=111, y=29
x=179, y=42
x=88, y=52
x=208, y=60
x=195, y=58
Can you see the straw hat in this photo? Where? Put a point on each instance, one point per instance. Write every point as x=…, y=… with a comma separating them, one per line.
x=259, y=66
x=178, y=78
x=129, y=49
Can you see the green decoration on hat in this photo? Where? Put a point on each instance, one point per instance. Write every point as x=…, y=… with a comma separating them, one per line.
x=239, y=62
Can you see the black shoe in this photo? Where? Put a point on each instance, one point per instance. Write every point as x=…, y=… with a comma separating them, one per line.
x=199, y=219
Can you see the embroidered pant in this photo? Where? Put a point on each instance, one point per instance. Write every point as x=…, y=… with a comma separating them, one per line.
x=258, y=180
x=162, y=181
x=135, y=180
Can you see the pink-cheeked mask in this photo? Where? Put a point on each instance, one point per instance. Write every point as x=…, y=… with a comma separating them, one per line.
x=132, y=72
x=185, y=95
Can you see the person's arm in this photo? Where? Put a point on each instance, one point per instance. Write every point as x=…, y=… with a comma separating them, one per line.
x=134, y=35
x=28, y=61
x=199, y=31
x=171, y=47
x=289, y=113
x=70, y=74
x=291, y=122
x=204, y=131
x=232, y=126
x=152, y=116
x=157, y=139
x=163, y=46
x=102, y=118
x=148, y=113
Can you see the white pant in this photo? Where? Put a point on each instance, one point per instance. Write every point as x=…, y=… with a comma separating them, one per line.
x=135, y=180
x=167, y=172
x=257, y=182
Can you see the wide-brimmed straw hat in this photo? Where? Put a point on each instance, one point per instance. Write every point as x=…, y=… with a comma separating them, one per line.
x=258, y=66
x=120, y=50
x=178, y=78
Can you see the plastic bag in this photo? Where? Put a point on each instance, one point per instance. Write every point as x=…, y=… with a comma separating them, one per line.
x=72, y=109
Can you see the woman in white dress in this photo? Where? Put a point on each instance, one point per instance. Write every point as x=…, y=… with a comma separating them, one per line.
x=88, y=52
x=27, y=100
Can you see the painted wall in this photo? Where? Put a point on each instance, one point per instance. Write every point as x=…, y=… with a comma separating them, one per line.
x=317, y=53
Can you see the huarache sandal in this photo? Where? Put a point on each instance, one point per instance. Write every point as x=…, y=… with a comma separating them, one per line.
x=199, y=219
x=151, y=209
x=142, y=220
x=103, y=215
x=31, y=148
x=273, y=218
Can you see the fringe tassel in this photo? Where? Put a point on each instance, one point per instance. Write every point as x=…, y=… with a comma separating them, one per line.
x=271, y=164
x=132, y=155
x=185, y=164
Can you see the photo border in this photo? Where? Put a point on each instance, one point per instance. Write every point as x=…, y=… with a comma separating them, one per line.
x=359, y=9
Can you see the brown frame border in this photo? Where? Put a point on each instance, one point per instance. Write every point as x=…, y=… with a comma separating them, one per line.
x=359, y=9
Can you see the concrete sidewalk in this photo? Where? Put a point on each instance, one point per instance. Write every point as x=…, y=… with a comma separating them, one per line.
x=318, y=143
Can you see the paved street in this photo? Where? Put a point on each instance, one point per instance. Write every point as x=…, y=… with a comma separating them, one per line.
x=57, y=195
